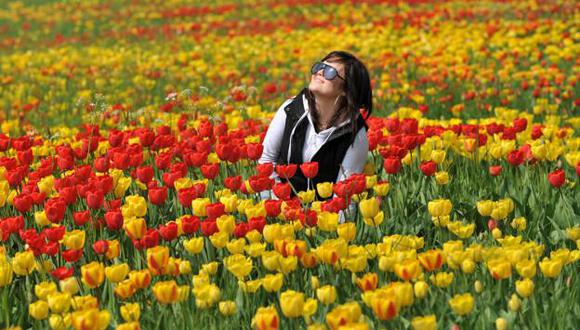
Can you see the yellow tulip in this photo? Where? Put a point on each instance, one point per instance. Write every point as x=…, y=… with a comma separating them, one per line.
x=525, y=287
x=408, y=269
x=5, y=274
x=325, y=189
x=41, y=219
x=226, y=223
x=499, y=268
x=439, y=207
x=206, y=295
x=327, y=221
x=157, y=259
x=382, y=189
x=526, y=268
x=421, y=289
x=239, y=265
x=442, y=279
x=69, y=285
x=38, y=310
x=343, y=314
x=166, y=292
x=93, y=274
x=273, y=283
x=501, y=323
x=428, y=322
x=369, y=208
x=59, y=302
x=227, y=308
x=135, y=227
x=551, y=267
x=266, y=318
x=346, y=231
x=194, y=245
x=292, y=303
x=117, y=273
x=462, y=304
x=485, y=207
x=74, y=240
x=442, y=178
x=43, y=289
x=114, y=250
x=131, y=312
x=23, y=263
x=326, y=294
x=236, y=246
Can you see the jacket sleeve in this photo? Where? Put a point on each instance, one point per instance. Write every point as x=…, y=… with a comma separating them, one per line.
x=273, y=138
x=355, y=157
x=353, y=162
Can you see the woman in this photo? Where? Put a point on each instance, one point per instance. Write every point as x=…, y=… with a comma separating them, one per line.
x=323, y=123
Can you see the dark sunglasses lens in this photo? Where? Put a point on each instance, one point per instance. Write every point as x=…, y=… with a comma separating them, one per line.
x=316, y=67
x=330, y=73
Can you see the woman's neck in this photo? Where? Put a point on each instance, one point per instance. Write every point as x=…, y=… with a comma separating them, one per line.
x=326, y=109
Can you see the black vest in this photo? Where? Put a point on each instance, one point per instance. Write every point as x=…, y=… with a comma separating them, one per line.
x=330, y=154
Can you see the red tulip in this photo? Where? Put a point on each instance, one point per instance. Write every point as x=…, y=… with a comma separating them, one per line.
x=114, y=220
x=286, y=171
x=101, y=247
x=95, y=199
x=168, y=232
x=50, y=248
x=273, y=207
x=428, y=168
x=190, y=224
x=254, y=151
x=209, y=227
x=157, y=196
x=520, y=124
x=233, y=183
x=162, y=161
x=491, y=224
x=515, y=157
x=81, y=217
x=392, y=165
x=22, y=203
x=62, y=273
x=495, y=170
x=210, y=171
x=144, y=173
x=198, y=158
x=557, y=178
x=169, y=178
x=310, y=169
x=265, y=169
x=257, y=223
x=54, y=234
x=72, y=255
x=215, y=210
x=150, y=239
x=54, y=209
x=578, y=169
x=241, y=229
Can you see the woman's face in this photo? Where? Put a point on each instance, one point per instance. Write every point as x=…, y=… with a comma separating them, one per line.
x=327, y=88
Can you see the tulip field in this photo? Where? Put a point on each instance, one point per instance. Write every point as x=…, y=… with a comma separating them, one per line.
x=131, y=196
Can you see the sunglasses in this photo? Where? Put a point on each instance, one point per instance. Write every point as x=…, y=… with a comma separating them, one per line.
x=328, y=72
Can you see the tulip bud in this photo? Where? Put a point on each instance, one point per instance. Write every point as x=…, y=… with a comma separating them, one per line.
x=501, y=323
x=515, y=303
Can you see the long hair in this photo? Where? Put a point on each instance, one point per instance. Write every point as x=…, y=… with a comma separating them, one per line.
x=358, y=92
